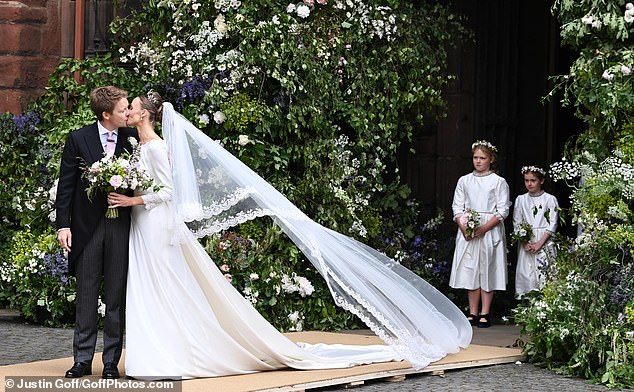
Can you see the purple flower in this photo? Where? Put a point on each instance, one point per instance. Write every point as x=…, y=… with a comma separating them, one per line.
x=56, y=266
x=190, y=92
x=26, y=123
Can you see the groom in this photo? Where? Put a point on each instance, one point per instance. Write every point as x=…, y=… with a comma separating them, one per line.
x=97, y=246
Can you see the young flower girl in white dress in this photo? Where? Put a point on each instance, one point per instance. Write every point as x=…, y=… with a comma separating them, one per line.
x=536, y=209
x=480, y=205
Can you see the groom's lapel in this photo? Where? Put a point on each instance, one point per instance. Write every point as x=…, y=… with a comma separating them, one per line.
x=120, y=142
x=93, y=142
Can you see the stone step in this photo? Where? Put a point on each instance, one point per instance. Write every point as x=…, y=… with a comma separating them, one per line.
x=9, y=314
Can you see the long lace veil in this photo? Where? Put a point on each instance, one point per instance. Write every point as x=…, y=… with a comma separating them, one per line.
x=213, y=191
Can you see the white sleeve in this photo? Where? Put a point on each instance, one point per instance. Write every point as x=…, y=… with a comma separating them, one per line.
x=458, y=204
x=517, y=213
x=162, y=174
x=503, y=201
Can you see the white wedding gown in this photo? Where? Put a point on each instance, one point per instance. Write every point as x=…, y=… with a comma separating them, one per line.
x=184, y=319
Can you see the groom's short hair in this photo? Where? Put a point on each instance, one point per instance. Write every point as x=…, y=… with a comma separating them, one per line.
x=104, y=99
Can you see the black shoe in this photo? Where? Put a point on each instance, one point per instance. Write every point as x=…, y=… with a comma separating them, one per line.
x=79, y=369
x=110, y=371
x=473, y=319
x=487, y=321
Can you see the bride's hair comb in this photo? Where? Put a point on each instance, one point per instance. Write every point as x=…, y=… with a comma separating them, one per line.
x=150, y=96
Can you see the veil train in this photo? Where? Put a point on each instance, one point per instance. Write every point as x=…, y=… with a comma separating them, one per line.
x=213, y=191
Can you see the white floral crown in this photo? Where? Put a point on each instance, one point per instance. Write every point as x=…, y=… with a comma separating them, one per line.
x=484, y=143
x=534, y=169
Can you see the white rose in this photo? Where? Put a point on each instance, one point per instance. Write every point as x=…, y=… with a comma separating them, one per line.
x=220, y=25
x=303, y=11
x=219, y=117
x=243, y=140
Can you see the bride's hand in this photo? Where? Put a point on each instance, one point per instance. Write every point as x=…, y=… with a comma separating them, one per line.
x=118, y=200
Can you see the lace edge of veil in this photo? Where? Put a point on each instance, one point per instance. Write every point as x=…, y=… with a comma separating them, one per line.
x=415, y=349
x=189, y=212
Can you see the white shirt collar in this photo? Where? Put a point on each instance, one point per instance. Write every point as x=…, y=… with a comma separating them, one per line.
x=103, y=130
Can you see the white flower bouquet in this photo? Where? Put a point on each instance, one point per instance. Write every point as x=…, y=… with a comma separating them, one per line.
x=471, y=220
x=522, y=233
x=118, y=174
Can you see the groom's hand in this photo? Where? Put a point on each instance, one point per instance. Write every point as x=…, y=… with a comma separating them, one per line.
x=65, y=239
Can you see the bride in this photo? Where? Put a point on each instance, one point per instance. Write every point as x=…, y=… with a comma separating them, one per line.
x=185, y=320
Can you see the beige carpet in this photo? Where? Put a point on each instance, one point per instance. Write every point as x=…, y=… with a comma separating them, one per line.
x=298, y=380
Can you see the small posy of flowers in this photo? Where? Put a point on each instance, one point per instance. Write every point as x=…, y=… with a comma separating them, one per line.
x=118, y=174
x=471, y=220
x=522, y=233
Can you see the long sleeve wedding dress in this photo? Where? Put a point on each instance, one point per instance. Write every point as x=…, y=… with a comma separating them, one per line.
x=185, y=320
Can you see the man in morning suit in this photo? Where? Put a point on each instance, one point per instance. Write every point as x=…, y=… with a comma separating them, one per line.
x=97, y=246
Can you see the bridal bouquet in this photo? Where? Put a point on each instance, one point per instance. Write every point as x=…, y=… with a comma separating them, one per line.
x=522, y=233
x=118, y=174
x=471, y=220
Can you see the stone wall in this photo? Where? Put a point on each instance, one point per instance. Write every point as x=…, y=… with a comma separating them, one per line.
x=35, y=35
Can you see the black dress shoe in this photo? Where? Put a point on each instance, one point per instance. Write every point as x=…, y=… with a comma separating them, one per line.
x=79, y=369
x=487, y=321
x=110, y=371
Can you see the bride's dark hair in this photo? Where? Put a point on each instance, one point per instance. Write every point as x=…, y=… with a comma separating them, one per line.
x=153, y=103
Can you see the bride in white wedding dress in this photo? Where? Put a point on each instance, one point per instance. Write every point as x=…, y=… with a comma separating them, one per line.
x=185, y=320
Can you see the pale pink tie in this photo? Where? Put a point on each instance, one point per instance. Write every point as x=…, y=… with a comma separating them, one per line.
x=110, y=144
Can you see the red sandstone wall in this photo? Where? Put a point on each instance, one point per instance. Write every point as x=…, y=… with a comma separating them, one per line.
x=30, y=49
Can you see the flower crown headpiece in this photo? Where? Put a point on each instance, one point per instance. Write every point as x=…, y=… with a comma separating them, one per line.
x=150, y=96
x=534, y=169
x=484, y=143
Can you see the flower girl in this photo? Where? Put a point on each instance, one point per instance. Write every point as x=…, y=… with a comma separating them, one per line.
x=534, y=222
x=480, y=205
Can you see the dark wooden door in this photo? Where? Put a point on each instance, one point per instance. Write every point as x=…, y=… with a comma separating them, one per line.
x=501, y=78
